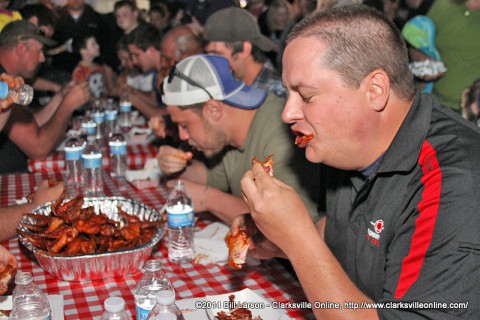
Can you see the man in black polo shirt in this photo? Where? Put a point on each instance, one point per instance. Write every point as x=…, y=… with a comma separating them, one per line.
x=402, y=209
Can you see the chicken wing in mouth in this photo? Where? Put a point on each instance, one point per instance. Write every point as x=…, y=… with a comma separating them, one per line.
x=302, y=139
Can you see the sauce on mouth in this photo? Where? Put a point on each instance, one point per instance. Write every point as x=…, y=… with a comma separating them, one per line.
x=301, y=139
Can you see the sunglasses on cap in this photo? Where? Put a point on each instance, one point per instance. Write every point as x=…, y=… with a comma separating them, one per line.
x=175, y=73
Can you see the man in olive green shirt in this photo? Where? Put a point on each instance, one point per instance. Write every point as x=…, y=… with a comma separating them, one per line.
x=230, y=122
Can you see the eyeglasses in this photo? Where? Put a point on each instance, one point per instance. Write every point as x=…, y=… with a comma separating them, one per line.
x=175, y=73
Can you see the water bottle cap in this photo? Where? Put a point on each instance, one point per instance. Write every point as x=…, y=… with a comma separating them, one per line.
x=73, y=142
x=178, y=184
x=165, y=297
x=114, y=304
x=3, y=90
x=153, y=265
x=27, y=95
x=118, y=137
x=23, y=278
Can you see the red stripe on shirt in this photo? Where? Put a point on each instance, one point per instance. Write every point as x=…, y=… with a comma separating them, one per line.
x=425, y=223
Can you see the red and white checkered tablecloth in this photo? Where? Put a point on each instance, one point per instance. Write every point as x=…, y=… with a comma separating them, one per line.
x=137, y=155
x=84, y=300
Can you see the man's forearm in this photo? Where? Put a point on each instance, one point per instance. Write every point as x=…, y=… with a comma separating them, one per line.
x=224, y=205
x=9, y=219
x=44, y=114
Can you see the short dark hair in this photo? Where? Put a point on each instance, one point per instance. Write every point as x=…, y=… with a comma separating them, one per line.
x=359, y=39
x=197, y=108
x=158, y=9
x=257, y=54
x=145, y=36
x=81, y=42
x=45, y=16
x=124, y=3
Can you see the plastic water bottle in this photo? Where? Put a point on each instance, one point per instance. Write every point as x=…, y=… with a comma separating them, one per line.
x=111, y=115
x=115, y=309
x=165, y=308
x=118, y=155
x=73, y=165
x=92, y=169
x=125, y=115
x=28, y=301
x=180, y=225
x=88, y=128
x=152, y=281
x=98, y=115
x=19, y=94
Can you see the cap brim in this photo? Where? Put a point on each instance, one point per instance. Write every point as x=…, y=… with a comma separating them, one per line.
x=45, y=41
x=264, y=44
x=247, y=98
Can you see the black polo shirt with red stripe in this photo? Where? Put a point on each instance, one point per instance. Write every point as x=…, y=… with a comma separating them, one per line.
x=410, y=232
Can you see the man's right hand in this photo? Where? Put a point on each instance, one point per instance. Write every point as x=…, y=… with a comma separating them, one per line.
x=171, y=160
x=76, y=95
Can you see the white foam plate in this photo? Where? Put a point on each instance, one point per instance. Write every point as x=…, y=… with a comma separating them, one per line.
x=191, y=308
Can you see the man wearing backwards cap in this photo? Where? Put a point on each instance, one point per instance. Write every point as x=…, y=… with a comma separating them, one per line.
x=234, y=33
x=28, y=135
x=221, y=116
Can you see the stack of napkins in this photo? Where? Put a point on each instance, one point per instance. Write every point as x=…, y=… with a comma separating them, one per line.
x=148, y=177
x=138, y=135
x=210, y=245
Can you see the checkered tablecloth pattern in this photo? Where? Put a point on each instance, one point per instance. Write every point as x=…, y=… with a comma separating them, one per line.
x=137, y=155
x=84, y=300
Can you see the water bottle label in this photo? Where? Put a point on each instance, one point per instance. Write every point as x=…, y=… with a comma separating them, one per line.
x=3, y=90
x=89, y=128
x=176, y=220
x=126, y=106
x=142, y=313
x=118, y=147
x=99, y=117
x=92, y=161
x=111, y=115
x=73, y=153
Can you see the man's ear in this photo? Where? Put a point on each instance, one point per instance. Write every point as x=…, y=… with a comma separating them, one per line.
x=213, y=110
x=247, y=48
x=378, y=89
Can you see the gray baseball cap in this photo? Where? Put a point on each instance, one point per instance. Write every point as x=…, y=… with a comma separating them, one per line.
x=19, y=30
x=236, y=24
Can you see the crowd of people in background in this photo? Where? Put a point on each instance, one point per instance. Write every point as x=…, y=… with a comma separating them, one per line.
x=444, y=55
x=72, y=54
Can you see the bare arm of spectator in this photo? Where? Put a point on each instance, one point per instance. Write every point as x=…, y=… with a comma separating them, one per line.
x=11, y=216
x=43, y=84
x=37, y=142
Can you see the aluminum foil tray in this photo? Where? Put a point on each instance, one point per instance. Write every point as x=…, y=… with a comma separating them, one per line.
x=101, y=265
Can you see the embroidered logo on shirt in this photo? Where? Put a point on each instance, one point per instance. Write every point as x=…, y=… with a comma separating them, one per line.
x=374, y=236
